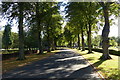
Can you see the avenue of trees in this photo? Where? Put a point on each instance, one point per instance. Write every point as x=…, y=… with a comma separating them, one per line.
x=83, y=19
x=40, y=26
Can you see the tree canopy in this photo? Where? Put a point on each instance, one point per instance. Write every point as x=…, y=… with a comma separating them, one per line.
x=40, y=25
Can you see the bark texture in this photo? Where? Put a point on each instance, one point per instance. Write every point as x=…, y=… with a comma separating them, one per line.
x=39, y=29
x=83, y=45
x=48, y=39
x=89, y=39
x=21, y=35
x=105, y=33
x=40, y=43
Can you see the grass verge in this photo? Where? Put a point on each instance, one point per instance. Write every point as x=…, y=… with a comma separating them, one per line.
x=12, y=63
x=110, y=69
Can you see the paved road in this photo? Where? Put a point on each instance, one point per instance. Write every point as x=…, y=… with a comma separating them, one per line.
x=64, y=64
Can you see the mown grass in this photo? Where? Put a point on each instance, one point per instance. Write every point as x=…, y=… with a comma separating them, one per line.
x=9, y=52
x=110, y=69
x=12, y=63
x=114, y=48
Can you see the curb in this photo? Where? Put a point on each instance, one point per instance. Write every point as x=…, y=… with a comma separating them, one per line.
x=100, y=75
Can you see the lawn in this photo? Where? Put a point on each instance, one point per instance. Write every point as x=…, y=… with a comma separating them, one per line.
x=12, y=63
x=110, y=69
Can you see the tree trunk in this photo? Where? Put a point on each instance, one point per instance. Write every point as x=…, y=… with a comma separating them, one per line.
x=40, y=43
x=89, y=39
x=70, y=44
x=48, y=39
x=53, y=48
x=82, y=36
x=21, y=35
x=78, y=42
x=39, y=29
x=105, y=33
x=73, y=43
x=55, y=43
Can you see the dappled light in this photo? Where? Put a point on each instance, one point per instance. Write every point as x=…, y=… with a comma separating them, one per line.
x=108, y=68
x=72, y=40
x=61, y=65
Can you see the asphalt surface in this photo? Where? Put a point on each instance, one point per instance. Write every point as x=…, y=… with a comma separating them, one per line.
x=65, y=64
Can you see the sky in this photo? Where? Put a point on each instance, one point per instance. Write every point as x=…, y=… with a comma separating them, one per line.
x=113, y=28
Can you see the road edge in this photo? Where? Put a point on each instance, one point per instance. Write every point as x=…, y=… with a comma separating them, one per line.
x=99, y=74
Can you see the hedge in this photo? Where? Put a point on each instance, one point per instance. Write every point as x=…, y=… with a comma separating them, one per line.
x=113, y=52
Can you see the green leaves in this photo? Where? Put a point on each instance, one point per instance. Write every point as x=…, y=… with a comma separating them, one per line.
x=6, y=39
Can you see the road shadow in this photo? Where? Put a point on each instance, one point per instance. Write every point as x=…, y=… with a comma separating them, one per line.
x=81, y=73
x=64, y=64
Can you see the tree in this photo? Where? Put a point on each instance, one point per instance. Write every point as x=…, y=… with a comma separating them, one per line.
x=118, y=41
x=113, y=41
x=74, y=21
x=30, y=39
x=55, y=29
x=52, y=27
x=91, y=14
x=6, y=39
x=83, y=15
x=44, y=23
x=1, y=33
x=15, y=40
x=68, y=36
x=17, y=10
x=96, y=41
x=39, y=27
x=21, y=35
x=106, y=29
x=82, y=36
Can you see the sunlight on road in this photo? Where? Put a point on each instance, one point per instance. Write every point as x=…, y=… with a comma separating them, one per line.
x=76, y=57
